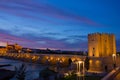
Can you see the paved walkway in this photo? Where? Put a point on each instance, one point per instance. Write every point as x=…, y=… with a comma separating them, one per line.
x=112, y=74
x=117, y=77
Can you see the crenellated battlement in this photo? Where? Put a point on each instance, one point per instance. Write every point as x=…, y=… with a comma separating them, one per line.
x=101, y=44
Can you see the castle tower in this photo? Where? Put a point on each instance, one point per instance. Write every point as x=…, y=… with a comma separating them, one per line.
x=101, y=44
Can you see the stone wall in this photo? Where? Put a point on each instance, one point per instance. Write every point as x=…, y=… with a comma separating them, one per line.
x=101, y=45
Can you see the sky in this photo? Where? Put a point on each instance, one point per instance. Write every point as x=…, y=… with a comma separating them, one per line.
x=57, y=24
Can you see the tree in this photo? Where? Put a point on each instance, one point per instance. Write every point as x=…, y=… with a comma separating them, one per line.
x=69, y=62
x=87, y=63
x=46, y=73
x=20, y=72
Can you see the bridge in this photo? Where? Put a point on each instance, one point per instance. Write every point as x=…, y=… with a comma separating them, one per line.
x=43, y=58
x=96, y=63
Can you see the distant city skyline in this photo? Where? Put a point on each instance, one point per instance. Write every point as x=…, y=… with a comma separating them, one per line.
x=57, y=24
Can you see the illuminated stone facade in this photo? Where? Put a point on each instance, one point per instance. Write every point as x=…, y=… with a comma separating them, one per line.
x=11, y=48
x=14, y=48
x=101, y=44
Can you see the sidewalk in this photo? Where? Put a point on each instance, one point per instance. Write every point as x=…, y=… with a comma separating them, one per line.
x=112, y=74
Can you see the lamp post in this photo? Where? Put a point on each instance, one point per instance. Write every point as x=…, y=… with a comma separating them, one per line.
x=114, y=60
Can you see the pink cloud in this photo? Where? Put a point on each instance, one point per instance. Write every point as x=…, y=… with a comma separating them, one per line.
x=13, y=39
x=48, y=42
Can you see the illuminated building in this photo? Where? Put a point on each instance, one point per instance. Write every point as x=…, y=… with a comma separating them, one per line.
x=101, y=44
x=14, y=48
x=11, y=48
x=3, y=50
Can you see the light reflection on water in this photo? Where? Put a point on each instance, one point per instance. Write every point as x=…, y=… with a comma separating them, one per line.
x=32, y=69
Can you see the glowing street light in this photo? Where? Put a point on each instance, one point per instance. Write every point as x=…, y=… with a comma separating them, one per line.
x=114, y=59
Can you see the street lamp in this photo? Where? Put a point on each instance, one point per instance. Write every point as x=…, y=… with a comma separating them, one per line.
x=114, y=60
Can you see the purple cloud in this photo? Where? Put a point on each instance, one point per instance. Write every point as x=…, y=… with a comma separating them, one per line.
x=33, y=41
x=40, y=42
x=64, y=44
x=5, y=37
x=26, y=9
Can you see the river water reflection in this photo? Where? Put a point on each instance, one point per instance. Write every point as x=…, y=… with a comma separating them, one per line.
x=32, y=69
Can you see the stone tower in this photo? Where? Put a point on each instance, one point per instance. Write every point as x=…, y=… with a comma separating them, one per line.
x=101, y=44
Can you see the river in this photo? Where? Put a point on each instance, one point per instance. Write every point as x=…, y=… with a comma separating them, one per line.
x=32, y=70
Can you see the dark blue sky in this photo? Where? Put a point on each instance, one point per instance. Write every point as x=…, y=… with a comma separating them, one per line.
x=57, y=24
